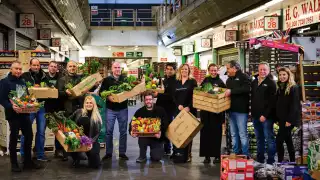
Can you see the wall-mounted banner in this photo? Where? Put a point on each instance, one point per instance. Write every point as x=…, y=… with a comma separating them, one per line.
x=301, y=14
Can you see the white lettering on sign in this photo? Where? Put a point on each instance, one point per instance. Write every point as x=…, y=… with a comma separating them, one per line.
x=26, y=20
x=219, y=36
x=271, y=23
x=255, y=28
x=302, y=14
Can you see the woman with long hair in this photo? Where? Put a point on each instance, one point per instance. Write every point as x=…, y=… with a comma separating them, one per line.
x=89, y=118
x=288, y=111
x=211, y=133
x=183, y=100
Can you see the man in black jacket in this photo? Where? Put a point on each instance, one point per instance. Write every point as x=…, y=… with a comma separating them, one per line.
x=36, y=76
x=16, y=119
x=115, y=111
x=263, y=92
x=238, y=85
x=165, y=100
x=155, y=143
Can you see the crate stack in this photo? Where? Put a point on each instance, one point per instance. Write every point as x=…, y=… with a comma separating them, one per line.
x=236, y=167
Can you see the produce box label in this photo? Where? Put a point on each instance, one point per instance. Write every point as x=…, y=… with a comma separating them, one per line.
x=183, y=129
x=43, y=92
x=86, y=84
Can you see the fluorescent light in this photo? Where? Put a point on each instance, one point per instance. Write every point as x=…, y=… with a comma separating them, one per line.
x=75, y=42
x=243, y=15
x=179, y=42
x=201, y=33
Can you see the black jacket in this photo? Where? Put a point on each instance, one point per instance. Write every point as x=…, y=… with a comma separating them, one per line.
x=71, y=104
x=53, y=105
x=240, y=90
x=90, y=129
x=106, y=84
x=263, y=98
x=157, y=112
x=183, y=94
x=34, y=78
x=216, y=81
x=10, y=83
x=288, y=106
x=165, y=100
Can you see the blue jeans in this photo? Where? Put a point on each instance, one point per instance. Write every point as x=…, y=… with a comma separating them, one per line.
x=264, y=133
x=238, y=129
x=122, y=117
x=40, y=135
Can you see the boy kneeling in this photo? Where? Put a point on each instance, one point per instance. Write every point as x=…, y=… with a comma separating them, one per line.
x=148, y=122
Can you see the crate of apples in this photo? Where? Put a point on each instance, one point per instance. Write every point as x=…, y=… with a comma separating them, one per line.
x=145, y=127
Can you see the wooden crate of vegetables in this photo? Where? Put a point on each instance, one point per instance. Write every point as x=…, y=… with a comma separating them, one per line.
x=145, y=127
x=90, y=77
x=211, y=99
x=27, y=103
x=68, y=133
x=130, y=88
x=42, y=91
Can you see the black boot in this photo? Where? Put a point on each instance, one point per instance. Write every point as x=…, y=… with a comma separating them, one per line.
x=76, y=163
x=15, y=168
x=206, y=160
x=31, y=165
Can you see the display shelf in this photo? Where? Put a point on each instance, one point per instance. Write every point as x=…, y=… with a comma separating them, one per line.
x=310, y=78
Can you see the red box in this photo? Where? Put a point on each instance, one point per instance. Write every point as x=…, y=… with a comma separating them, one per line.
x=237, y=176
x=234, y=164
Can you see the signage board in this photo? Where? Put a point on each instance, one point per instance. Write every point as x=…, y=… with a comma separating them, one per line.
x=177, y=52
x=271, y=23
x=41, y=54
x=5, y=65
x=26, y=20
x=56, y=42
x=189, y=48
x=119, y=13
x=163, y=59
x=44, y=34
x=231, y=35
x=219, y=36
x=301, y=14
x=139, y=54
x=118, y=54
x=7, y=54
x=206, y=43
x=130, y=54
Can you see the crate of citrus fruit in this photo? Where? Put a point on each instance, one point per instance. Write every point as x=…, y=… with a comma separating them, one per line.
x=145, y=127
x=27, y=103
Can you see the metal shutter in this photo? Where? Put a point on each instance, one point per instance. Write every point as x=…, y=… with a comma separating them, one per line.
x=22, y=42
x=1, y=41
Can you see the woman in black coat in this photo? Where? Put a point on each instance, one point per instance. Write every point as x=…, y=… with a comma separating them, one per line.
x=288, y=112
x=183, y=100
x=89, y=118
x=211, y=133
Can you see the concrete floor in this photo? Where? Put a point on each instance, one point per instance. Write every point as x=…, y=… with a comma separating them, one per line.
x=119, y=170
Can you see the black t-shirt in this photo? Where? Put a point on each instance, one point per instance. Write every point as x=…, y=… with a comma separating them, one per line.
x=183, y=94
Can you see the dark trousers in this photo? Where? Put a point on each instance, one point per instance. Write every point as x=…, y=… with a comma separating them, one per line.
x=93, y=155
x=156, y=148
x=284, y=135
x=167, y=144
x=20, y=122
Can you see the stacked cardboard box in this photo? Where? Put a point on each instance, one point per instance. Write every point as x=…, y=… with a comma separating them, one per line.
x=311, y=111
x=235, y=167
x=288, y=171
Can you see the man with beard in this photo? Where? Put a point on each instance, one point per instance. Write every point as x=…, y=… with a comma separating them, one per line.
x=155, y=143
x=17, y=121
x=36, y=76
x=165, y=100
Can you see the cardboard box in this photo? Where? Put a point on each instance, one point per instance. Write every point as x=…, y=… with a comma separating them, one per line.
x=183, y=129
x=86, y=84
x=215, y=103
x=44, y=92
x=235, y=163
x=293, y=171
x=140, y=88
x=61, y=138
x=237, y=176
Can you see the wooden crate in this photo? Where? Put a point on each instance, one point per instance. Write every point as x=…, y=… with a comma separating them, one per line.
x=215, y=103
x=61, y=138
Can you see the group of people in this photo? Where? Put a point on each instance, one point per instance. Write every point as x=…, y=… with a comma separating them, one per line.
x=271, y=102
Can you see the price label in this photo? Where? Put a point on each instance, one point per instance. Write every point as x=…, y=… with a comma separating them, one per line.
x=231, y=35
x=26, y=20
x=45, y=34
x=271, y=23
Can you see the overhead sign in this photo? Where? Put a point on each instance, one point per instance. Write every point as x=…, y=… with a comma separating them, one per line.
x=26, y=20
x=219, y=36
x=139, y=54
x=231, y=35
x=189, y=48
x=177, y=52
x=163, y=59
x=271, y=23
x=45, y=34
x=301, y=14
x=7, y=54
x=41, y=54
x=64, y=48
x=255, y=27
x=118, y=54
x=5, y=65
x=205, y=43
x=130, y=54
x=56, y=42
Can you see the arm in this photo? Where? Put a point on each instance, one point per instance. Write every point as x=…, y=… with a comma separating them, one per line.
x=244, y=87
x=75, y=115
x=96, y=131
x=294, y=104
x=221, y=84
x=272, y=99
x=4, y=100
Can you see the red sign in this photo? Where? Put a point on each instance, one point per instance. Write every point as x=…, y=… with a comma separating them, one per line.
x=163, y=59
x=118, y=54
x=205, y=43
x=119, y=13
x=26, y=21
x=301, y=14
x=231, y=35
x=271, y=23
x=133, y=72
x=56, y=42
x=44, y=34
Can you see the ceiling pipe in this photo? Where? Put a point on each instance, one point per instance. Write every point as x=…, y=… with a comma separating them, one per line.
x=43, y=4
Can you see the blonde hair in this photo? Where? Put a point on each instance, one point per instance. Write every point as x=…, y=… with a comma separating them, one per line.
x=291, y=81
x=179, y=76
x=95, y=116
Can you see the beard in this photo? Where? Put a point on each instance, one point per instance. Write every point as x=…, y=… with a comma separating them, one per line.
x=149, y=106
